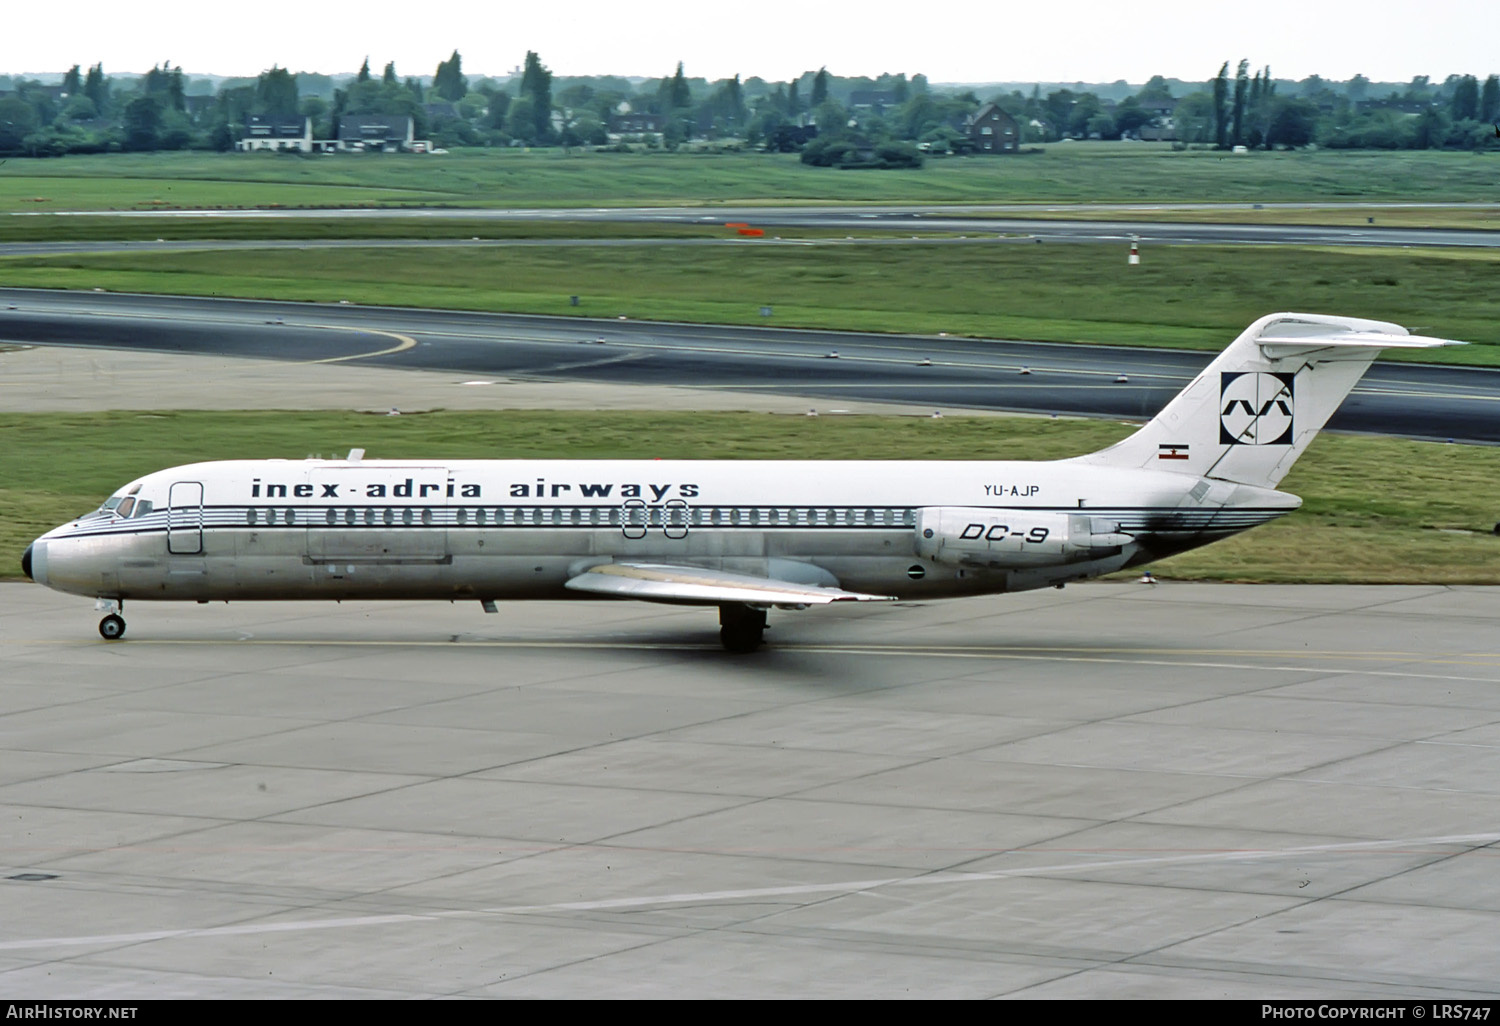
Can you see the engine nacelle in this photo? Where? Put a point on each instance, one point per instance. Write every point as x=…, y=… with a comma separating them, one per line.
x=1013, y=538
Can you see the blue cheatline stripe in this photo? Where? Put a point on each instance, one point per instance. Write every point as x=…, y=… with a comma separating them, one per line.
x=714, y=518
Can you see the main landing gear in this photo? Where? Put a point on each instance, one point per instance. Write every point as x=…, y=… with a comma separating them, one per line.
x=741, y=627
x=112, y=627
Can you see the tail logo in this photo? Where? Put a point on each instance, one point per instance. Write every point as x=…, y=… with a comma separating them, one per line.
x=1255, y=408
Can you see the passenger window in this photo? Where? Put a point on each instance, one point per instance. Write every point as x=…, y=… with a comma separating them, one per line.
x=291, y=517
x=270, y=516
x=250, y=517
x=427, y=516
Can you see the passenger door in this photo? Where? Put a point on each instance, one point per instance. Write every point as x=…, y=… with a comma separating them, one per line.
x=185, y=518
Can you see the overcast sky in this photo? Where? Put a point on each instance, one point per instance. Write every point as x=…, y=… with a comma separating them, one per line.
x=949, y=41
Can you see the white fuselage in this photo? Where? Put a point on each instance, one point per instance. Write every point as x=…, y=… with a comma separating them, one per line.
x=515, y=529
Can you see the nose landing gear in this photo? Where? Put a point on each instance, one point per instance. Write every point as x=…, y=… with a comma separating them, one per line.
x=112, y=627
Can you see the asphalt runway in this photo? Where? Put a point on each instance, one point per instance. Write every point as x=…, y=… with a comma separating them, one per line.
x=1420, y=401
x=1030, y=222
x=1113, y=791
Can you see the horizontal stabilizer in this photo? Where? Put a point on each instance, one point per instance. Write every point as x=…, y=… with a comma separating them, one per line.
x=1277, y=347
x=663, y=582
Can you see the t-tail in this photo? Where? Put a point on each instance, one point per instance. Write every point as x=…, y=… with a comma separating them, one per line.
x=1251, y=412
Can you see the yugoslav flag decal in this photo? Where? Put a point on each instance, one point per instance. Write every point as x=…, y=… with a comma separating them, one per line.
x=1255, y=408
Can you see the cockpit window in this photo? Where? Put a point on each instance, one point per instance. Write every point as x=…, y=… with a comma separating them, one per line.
x=122, y=502
x=142, y=507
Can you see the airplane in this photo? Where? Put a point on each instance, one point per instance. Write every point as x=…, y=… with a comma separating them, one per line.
x=739, y=535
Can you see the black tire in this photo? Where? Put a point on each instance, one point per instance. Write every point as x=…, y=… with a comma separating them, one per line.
x=741, y=639
x=112, y=627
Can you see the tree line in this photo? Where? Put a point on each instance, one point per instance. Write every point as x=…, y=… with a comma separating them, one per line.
x=889, y=120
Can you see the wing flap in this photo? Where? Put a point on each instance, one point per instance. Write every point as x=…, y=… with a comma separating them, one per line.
x=662, y=582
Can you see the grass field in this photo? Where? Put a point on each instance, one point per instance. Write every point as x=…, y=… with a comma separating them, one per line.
x=1181, y=296
x=1377, y=510
x=1083, y=172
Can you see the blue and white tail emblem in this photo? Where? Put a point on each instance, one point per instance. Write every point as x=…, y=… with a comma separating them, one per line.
x=1255, y=408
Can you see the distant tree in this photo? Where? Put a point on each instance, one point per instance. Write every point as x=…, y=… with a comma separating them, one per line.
x=819, y=89
x=793, y=100
x=1465, y=103
x=276, y=94
x=1155, y=90
x=472, y=106
x=364, y=72
x=1221, y=106
x=165, y=83
x=832, y=118
x=1358, y=89
x=1194, y=116
x=80, y=108
x=1293, y=122
x=1085, y=109
x=724, y=111
x=449, y=82
x=143, y=123
x=675, y=92
x=1489, y=99
x=389, y=76
x=1317, y=89
x=1131, y=117
x=96, y=87
x=499, y=106
x=1241, y=100
x=17, y=121
x=520, y=121
x=585, y=130
x=1432, y=129
x=72, y=83
x=316, y=107
x=536, y=86
x=309, y=83
x=1103, y=125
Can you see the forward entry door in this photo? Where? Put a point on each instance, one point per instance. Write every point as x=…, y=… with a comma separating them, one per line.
x=185, y=518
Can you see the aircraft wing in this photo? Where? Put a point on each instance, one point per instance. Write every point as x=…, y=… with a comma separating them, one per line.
x=663, y=582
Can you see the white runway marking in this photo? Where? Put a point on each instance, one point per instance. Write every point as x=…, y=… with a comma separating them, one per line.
x=755, y=893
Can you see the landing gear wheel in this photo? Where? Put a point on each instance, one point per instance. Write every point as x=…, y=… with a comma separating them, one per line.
x=112, y=627
x=736, y=639
x=741, y=627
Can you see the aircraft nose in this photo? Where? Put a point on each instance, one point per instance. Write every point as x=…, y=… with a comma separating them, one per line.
x=25, y=561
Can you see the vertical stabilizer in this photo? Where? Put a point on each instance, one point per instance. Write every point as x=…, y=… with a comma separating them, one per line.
x=1253, y=410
